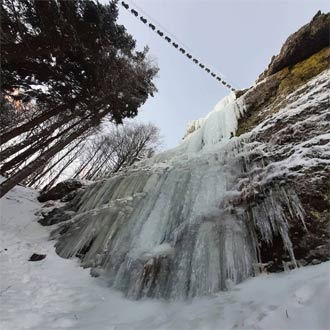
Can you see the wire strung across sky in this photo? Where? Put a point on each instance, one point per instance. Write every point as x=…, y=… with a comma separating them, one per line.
x=176, y=44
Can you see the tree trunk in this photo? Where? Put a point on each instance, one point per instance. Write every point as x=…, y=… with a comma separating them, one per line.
x=16, y=131
x=33, y=149
x=98, y=168
x=37, y=177
x=69, y=162
x=88, y=174
x=44, y=157
x=8, y=152
x=86, y=163
x=34, y=176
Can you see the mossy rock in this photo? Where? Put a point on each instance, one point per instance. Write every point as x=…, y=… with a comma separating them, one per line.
x=269, y=96
x=302, y=72
x=308, y=40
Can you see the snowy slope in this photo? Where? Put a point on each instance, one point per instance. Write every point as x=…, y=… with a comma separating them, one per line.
x=58, y=294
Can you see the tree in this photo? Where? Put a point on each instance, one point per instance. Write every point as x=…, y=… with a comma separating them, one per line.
x=117, y=149
x=76, y=65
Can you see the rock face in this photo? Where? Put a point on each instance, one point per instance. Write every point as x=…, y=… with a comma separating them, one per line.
x=270, y=95
x=308, y=40
x=290, y=75
x=295, y=153
x=61, y=190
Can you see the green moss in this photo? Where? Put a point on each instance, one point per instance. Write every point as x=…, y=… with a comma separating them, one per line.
x=246, y=124
x=268, y=97
x=303, y=71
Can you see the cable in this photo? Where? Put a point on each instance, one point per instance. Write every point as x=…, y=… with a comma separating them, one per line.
x=174, y=37
x=174, y=42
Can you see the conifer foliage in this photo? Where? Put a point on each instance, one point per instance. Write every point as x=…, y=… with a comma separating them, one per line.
x=67, y=66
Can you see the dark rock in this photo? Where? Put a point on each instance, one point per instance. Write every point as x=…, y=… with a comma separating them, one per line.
x=307, y=41
x=320, y=253
x=60, y=190
x=49, y=204
x=37, y=257
x=55, y=216
x=302, y=263
x=316, y=262
x=70, y=196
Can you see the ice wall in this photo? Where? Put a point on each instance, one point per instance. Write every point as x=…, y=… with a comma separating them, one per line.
x=178, y=225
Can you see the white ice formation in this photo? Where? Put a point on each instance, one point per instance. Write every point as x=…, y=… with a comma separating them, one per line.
x=183, y=223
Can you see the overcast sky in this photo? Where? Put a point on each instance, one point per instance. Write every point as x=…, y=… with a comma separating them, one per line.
x=235, y=37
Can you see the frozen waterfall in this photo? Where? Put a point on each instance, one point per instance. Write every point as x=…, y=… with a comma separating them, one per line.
x=179, y=225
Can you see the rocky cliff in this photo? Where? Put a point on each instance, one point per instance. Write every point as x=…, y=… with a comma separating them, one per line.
x=308, y=40
x=299, y=132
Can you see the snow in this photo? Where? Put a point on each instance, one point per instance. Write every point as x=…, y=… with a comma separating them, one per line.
x=169, y=227
x=311, y=150
x=56, y=293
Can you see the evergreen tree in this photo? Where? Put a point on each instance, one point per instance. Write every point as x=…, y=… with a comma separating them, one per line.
x=76, y=64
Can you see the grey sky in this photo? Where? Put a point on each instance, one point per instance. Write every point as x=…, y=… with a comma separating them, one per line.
x=235, y=37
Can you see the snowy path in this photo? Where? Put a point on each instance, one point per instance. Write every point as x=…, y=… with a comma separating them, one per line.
x=57, y=294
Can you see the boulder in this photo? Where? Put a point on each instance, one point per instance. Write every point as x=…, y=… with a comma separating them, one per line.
x=55, y=216
x=37, y=257
x=60, y=190
x=70, y=196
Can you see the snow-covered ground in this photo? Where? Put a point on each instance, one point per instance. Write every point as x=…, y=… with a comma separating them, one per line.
x=58, y=294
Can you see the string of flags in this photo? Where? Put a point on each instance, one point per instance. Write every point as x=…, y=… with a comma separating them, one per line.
x=176, y=45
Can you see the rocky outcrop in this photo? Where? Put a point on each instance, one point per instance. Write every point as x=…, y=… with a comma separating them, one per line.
x=61, y=190
x=304, y=55
x=308, y=40
x=289, y=121
x=295, y=154
x=65, y=205
x=57, y=215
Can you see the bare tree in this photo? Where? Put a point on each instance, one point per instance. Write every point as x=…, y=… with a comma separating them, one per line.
x=116, y=149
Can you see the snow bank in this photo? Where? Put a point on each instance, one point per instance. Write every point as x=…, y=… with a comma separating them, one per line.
x=58, y=294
